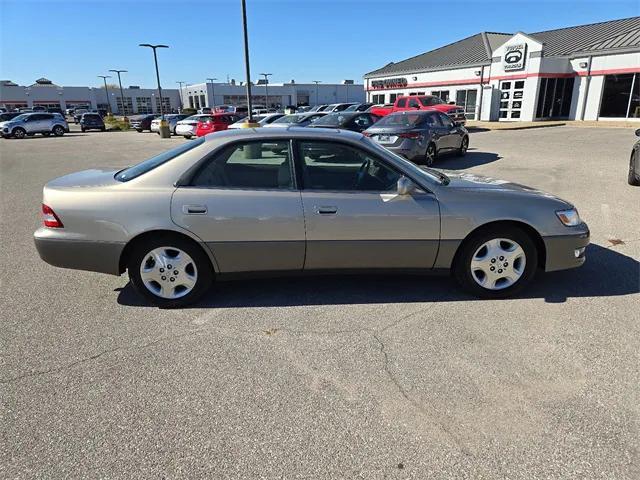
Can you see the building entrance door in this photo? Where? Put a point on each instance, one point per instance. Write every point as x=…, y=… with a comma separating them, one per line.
x=511, y=97
x=554, y=97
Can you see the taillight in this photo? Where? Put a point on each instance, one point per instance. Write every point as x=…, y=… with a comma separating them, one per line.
x=366, y=134
x=409, y=135
x=49, y=217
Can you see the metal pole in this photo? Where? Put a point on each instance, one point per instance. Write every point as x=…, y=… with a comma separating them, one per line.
x=213, y=92
x=180, y=96
x=246, y=59
x=316, y=82
x=266, y=88
x=124, y=108
x=106, y=92
x=164, y=128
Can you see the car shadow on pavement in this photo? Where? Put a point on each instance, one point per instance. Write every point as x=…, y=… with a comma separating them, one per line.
x=606, y=273
x=471, y=159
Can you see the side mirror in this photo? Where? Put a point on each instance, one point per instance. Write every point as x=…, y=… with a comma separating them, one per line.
x=638, y=132
x=405, y=186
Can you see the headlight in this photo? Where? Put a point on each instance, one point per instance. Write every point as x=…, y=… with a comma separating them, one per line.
x=569, y=218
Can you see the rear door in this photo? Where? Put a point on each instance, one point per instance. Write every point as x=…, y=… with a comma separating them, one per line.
x=354, y=217
x=244, y=204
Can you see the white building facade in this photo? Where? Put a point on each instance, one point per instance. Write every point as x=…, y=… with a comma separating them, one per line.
x=45, y=93
x=279, y=94
x=588, y=72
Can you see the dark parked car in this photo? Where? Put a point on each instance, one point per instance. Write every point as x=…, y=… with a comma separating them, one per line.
x=634, y=163
x=91, y=121
x=141, y=122
x=5, y=117
x=354, y=121
x=420, y=135
x=359, y=107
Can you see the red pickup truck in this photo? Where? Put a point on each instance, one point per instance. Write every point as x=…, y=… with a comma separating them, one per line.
x=421, y=102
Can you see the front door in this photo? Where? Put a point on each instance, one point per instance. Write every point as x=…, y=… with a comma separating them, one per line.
x=243, y=203
x=354, y=217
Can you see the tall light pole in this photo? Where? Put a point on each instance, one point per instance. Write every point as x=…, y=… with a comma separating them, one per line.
x=316, y=82
x=266, y=88
x=164, y=127
x=106, y=92
x=124, y=109
x=180, y=96
x=213, y=92
x=249, y=123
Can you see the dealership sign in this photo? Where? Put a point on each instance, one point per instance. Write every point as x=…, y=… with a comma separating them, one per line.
x=399, y=82
x=514, y=57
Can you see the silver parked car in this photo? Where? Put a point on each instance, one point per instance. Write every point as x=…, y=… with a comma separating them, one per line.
x=300, y=200
x=262, y=120
x=187, y=127
x=29, y=124
x=295, y=119
x=420, y=136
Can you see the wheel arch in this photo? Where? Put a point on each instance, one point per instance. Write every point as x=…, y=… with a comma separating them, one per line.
x=532, y=232
x=141, y=237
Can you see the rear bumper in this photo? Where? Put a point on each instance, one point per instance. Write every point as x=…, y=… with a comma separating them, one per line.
x=566, y=251
x=103, y=257
x=410, y=150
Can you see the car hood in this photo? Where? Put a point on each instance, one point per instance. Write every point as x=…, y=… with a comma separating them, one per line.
x=94, y=177
x=473, y=182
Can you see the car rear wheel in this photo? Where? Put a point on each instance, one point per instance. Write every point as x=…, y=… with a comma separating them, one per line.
x=464, y=146
x=139, y=130
x=634, y=173
x=82, y=129
x=19, y=132
x=58, y=131
x=430, y=155
x=170, y=271
x=496, y=263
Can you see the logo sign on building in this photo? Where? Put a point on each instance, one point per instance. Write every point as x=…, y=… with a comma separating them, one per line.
x=399, y=82
x=514, y=57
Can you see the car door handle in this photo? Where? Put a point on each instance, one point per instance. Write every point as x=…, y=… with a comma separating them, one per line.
x=194, y=209
x=326, y=210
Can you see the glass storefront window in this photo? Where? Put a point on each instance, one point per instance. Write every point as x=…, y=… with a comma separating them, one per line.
x=615, y=95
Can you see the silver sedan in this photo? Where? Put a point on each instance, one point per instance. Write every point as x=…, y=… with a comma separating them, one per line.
x=300, y=200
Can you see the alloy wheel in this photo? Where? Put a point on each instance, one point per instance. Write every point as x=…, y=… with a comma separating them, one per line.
x=19, y=133
x=498, y=264
x=464, y=146
x=430, y=156
x=168, y=272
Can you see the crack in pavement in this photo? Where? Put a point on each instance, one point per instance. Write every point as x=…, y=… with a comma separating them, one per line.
x=414, y=403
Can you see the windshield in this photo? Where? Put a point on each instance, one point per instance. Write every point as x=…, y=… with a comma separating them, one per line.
x=422, y=172
x=153, y=162
x=403, y=120
x=333, y=120
x=429, y=101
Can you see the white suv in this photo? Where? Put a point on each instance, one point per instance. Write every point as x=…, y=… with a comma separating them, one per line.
x=32, y=123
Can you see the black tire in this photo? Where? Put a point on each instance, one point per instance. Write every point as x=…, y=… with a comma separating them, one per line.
x=634, y=171
x=462, y=271
x=82, y=129
x=58, y=131
x=464, y=146
x=430, y=155
x=188, y=137
x=202, y=263
x=19, y=132
x=46, y=134
x=103, y=129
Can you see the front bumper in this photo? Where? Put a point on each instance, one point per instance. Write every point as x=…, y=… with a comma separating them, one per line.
x=103, y=257
x=566, y=251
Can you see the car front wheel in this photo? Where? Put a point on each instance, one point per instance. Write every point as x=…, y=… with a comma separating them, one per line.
x=496, y=263
x=430, y=155
x=19, y=133
x=58, y=131
x=464, y=146
x=170, y=271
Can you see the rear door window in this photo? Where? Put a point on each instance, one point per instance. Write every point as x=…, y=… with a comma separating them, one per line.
x=413, y=103
x=402, y=102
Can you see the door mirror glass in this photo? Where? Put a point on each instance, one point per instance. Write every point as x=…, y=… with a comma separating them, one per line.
x=405, y=186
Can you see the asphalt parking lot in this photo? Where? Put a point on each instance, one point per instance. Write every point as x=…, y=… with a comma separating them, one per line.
x=330, y=377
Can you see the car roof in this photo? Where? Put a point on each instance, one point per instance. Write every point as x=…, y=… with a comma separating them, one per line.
x=289, y=132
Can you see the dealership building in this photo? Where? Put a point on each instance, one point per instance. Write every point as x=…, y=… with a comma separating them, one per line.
x=271, y=94
x=586, y=72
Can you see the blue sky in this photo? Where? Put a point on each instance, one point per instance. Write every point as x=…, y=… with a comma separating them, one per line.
x=70, y=42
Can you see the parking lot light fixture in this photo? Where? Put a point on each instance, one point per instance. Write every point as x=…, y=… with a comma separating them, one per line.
x=164, y=126
x=266, y=88
x=124, y=108
x=249, y=123
x=106, y=92
x=213, y=92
